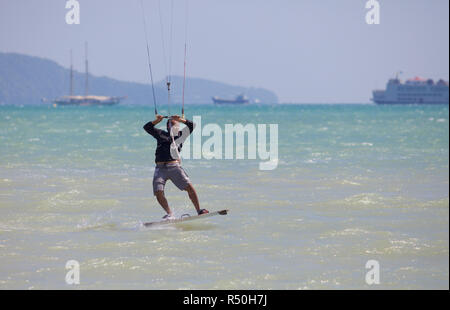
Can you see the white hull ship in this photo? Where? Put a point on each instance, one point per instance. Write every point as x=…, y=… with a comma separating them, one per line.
x=86, y=100
x=413, y=91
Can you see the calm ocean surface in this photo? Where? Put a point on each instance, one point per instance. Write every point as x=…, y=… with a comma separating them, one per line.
x=354, y=183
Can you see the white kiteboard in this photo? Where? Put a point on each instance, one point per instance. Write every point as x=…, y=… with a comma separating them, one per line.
x=186, y=218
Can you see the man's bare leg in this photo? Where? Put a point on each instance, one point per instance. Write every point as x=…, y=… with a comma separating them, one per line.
x=163, y=201
x=193, y=196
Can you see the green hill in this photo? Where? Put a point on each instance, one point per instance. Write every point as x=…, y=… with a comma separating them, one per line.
x=26, y=80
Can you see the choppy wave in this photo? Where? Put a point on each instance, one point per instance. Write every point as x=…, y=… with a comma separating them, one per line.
x=353, y=183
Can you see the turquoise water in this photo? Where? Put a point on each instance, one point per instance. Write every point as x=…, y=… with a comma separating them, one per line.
x=353, y=183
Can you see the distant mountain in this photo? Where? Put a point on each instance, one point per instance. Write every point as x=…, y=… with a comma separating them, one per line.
x=26, y=80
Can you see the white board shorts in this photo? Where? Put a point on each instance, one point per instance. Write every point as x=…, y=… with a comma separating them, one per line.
x=173, y=172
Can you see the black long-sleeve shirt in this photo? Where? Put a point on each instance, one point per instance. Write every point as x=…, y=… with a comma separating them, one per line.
x=164, y=140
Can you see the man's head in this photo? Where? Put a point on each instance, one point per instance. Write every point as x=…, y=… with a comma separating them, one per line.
x=173, y=126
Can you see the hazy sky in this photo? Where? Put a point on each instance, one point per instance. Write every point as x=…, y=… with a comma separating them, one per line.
x=304, y=50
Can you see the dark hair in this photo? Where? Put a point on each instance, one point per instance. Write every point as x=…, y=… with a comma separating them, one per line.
x=167, y=124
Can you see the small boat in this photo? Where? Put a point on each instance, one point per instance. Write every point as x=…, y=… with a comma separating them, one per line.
x=241, y=99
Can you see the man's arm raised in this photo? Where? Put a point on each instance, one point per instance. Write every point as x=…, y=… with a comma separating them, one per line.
x=150, y=127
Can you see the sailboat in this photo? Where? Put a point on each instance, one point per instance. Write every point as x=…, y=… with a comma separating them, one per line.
x=86, y=99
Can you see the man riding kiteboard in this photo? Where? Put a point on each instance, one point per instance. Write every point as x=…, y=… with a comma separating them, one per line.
x=168, y=161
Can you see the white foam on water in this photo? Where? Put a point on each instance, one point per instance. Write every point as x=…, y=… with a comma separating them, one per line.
x=373, y=185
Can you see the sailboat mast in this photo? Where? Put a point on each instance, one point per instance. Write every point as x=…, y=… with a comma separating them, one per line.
x=71, y=74
x=86, y=86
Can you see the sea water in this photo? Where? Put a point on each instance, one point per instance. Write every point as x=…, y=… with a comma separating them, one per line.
x=353, y=183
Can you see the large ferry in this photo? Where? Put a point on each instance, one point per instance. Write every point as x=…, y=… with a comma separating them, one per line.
x=241, y=99
x=86, y=100
x=414, y=91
